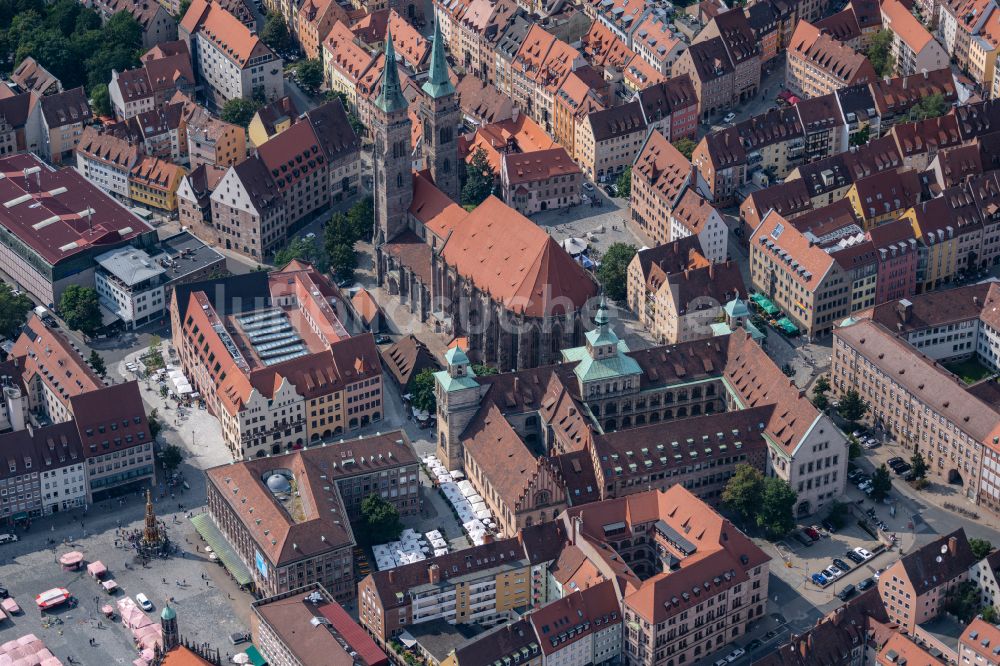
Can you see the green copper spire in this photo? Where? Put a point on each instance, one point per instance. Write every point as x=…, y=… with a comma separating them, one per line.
x=390, y=98
x=438, y=83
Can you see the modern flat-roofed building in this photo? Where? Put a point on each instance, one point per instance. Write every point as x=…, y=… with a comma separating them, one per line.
x=136, y=285
x=273, y=360
x=307, y=627
x=54, y=223
x=286, y=519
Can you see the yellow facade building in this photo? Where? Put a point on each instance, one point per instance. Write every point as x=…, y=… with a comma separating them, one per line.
x=154, y=182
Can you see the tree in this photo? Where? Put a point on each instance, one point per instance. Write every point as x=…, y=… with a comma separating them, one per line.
x=743, y=491
x=13, y=311
x=931, y=106
x=919, y=465
x=183, y=8
x=379, y=520
x=422, y=391
x=310, y=73
x=853, y=447
x=613, y=271
x=239, y=111
x=881, y=483
x=483, y=370
x=343, y=261
x=776, y=515
x=820, y=388
x=155, y=425
x=861, y=137
x=980, y=548
x=852, y=407
x=624, y=183
x=80, y=309
x=100, y=100
x=97, y=363
x=990, y=614
x=879, y=52
x=275, y=33
x=303, y=249
x=686, y=146
x=479, y=179
x=171, y=457
x=361, y=219
x=963, y=601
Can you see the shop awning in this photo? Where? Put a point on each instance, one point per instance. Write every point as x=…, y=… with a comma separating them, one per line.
x=256, y=658
x=210, y=533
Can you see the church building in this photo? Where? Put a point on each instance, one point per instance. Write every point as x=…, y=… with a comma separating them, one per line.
x=490, y=275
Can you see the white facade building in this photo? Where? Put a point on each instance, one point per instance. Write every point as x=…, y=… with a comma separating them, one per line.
x=130, y=283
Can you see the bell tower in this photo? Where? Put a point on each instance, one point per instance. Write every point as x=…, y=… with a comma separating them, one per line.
x=440, y=114
x=393, y=152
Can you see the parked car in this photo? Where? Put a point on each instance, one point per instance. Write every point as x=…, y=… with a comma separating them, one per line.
x=832, y=573
x=846, y=593
x=864, y=553
x=895, y=460
x=854, y=557
x=754, y=644
x=819, y=579
x=611, y=190
x=729, y=117
x=8, y=538
x=902, y=469
x=811, y=533
x=866, y=583
x=828, y=524
x=841, y=564
x=878, y=572
x=382, y=339
x=589, y=187
x=720, y=662
x=802, y=538
x=822, y=532
x=239, y=637
x=144, y=602
x=735, y=654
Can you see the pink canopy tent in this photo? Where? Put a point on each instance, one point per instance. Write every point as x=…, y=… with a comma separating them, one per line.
x=97, y=569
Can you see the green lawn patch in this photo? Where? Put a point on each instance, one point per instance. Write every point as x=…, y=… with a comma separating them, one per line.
x=969, y=371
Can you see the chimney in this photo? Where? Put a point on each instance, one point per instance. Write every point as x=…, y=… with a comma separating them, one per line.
x=487, y=538
x=392, y=576
x=905, y=309
x=433, y=573
x=952, y=545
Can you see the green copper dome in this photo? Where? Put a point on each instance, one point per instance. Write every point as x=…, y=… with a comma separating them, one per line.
x=390, y=98
x=168, y=613
x=438, y=83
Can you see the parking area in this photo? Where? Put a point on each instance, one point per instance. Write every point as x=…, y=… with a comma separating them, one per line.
x=822, y=570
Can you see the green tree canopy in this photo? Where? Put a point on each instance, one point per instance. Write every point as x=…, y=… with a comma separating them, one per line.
x=422, y=391
x=931, y=106
x=624, y=183
x=100, y=100
x=171, y=457
x=881, y=483
x=80, y=309
x=686, y=146
x=919, y=465
x=613, y=271
x=479, y=179
x=97, y=363
x=239, y=111
x=310, y=73
x=980, y=548
x=820, y=388
x=380, y=521
x=361, y=218
x=275, y=33
x=777, y=506
x=483, y=370
x=879, y=52
x=13, y=311
x=963, y=601
x=153, y=418
x=343, y=261
x=852, y=407
x=743, y=491
x=304, y=249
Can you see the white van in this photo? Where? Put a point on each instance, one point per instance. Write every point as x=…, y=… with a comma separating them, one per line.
x=144, y=603
x=8, y=538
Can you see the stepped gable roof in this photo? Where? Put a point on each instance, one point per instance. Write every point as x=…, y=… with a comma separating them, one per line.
x=506, y=255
